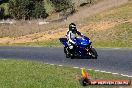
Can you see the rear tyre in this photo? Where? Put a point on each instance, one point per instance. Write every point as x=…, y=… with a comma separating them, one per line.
x=94, y=54
x=66, y=51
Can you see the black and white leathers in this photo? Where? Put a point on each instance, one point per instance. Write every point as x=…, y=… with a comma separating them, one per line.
x=71, y=35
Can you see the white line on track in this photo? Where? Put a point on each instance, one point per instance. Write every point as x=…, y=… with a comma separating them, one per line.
x=96, y=70
x=82, y=68
x=103, y=71
x=75, y=67
x=51, y=64
x=108, y=72
x=125, y=75
x=60, y=65
x=115, y=73
x=129, y=76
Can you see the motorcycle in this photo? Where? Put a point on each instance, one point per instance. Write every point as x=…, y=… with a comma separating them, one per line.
x=83, y=49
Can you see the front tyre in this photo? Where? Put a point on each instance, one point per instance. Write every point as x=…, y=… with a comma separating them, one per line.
x=94, y=54
x=72, y=56
x=66, y=51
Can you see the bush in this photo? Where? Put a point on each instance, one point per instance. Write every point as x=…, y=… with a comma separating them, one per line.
x=1, y=13
x=62, y=5
x=39, y=11
x=3, y=1
x=26, y=9
x=18, y=8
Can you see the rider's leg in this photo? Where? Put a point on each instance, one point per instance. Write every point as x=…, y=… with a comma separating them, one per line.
x=71, y=48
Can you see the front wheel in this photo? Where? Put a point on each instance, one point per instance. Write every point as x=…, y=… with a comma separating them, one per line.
x=66, y=51
x=94, y=54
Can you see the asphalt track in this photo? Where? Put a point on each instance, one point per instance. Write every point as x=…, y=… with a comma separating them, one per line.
x=113, y=60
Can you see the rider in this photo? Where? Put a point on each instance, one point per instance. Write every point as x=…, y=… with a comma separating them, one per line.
x=71, y=35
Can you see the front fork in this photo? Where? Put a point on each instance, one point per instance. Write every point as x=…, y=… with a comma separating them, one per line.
x=88, y=49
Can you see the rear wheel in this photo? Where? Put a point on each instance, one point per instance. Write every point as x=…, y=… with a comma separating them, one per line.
x=94, y=54
x=66, y=51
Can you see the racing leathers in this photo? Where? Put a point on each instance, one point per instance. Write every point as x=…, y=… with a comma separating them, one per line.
x=71, y=35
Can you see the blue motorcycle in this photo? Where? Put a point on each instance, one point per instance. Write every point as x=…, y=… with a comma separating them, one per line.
x=83, y=49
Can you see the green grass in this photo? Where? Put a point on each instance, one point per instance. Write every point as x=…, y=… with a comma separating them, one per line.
x=118, y=36
x=48, y=6
x=122, y=12
x=6, y=7
x=54, y=42
x=27, y=74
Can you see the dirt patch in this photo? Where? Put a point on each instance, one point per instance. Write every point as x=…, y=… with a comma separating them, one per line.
x=35, y=37
x=99, y=26
x=57, y=33
x=103, y=25
x=30, y=27
x=86, y=12
x=57, y=30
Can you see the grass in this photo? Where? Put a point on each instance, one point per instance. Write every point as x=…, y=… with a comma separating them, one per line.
x=31, y=74
x=48, y=6
x=118, y=36
x=21, y=27
x=122, y=12
x=54, y=42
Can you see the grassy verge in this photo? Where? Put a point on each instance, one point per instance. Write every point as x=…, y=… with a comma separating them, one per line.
x=22, y=27
x=54, y=42
x=27, y=74
x=121, y=13
x=118, y=36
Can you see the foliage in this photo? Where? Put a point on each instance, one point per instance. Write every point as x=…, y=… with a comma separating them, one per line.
x=61, y=5
x=1, y=13
x=26, y=9
x=39, y=11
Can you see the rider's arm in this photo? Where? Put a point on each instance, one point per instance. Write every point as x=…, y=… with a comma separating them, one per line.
x=67, y=34
x=80, y=34
x=69, y=38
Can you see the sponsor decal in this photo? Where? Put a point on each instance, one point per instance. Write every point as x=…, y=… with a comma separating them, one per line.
x=85, y=80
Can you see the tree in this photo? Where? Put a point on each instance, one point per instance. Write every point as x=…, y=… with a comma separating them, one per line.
x=26, y=9
x=3, y=9
x=19, y=8
x=39, y=11
x=1, y=13
x=61, y=5
x=3, y=1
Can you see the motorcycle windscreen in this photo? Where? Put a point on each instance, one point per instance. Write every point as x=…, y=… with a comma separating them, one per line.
x=83, y=42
